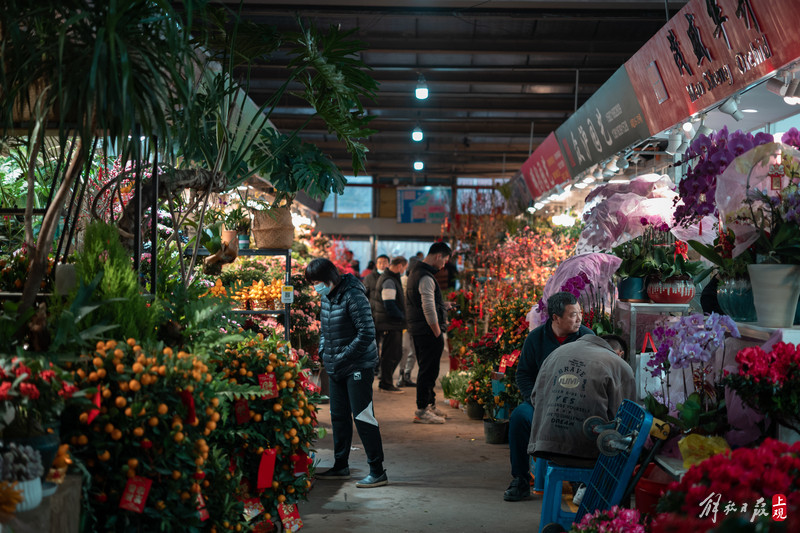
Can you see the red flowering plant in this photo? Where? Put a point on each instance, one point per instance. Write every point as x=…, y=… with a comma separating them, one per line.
x=770, y=381
x=494, y=356
x=737, y=485
x=33, y=393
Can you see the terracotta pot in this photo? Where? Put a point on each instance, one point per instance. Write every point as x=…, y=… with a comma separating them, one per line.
x=671, y=291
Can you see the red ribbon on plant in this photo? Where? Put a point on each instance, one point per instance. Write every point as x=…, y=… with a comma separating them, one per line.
x=188, y=402
x=681, y=248
x=94, y=411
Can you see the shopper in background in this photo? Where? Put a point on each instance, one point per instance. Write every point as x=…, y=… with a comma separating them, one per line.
x=371, y=279
x=426, y=313
x=388, y=305
x=353, y=263
x=348, y=350
x=409, y=356
x=563, y=326
x=381, y=262
x=367, y=271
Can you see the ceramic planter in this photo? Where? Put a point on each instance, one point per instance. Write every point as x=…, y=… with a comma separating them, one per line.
x=31, y=494
x=633, y=290
x=244, y=241
x=735, y=297
x=776, y=289
x=671, y=291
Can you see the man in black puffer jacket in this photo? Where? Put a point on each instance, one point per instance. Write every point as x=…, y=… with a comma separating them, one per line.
x=389, y=308
x=349, y=353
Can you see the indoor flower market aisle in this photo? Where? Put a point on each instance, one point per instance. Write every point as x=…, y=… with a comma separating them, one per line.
x=441, y=478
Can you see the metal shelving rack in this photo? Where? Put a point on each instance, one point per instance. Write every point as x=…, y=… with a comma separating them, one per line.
x=287, y=254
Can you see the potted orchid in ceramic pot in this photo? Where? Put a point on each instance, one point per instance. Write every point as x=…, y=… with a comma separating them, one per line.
x=759, y=200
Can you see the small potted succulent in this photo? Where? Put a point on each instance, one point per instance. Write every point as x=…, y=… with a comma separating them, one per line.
x=22, y=466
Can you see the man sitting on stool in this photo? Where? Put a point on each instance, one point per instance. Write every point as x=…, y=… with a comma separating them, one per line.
x=589, y=377
x=563, y=326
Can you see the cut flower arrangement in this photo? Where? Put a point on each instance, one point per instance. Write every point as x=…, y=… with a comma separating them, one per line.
x=770, y=382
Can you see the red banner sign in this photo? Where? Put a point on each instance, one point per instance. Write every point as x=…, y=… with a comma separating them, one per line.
x=710, y=50
x=545, y=168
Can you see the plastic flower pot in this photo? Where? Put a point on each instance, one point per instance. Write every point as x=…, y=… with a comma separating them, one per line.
x=649, y=489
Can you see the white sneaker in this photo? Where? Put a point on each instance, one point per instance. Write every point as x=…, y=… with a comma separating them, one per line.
x=432, y=408
x=424, y=416
x=578, y=498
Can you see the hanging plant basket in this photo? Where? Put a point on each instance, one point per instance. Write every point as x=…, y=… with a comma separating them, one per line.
x=273, y=228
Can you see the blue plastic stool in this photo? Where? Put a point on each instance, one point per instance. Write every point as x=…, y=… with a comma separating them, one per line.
x=539, y=474
x=551, y=504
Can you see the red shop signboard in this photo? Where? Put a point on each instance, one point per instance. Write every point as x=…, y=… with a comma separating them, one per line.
x=710, y=50
x=545, y=168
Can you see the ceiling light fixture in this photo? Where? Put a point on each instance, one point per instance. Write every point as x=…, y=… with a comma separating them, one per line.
x=688, y=129
x=777, y=86
x=419, y=165
x=731, y=107
x=791, y=92
x=674, y=141
x=421, y=91
x=416, y=134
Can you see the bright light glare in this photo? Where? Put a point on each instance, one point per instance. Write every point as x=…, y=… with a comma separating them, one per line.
x=419, y=165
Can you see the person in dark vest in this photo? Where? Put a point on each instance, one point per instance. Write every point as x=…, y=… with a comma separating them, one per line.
x=348, y=350
x=563, y=326
x=388, y=307
x=371, y=279
x=426, y=315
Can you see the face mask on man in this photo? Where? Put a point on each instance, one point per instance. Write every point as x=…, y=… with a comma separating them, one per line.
x=380, y=271
x=322, y=289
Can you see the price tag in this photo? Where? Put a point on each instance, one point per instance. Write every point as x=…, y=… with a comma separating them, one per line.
x=287, y=294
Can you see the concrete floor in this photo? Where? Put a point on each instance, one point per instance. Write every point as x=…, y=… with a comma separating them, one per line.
x=441, y=478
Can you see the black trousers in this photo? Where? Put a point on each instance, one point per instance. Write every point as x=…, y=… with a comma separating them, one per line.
x=429, y=352
x=351, y=398
x=391, y=353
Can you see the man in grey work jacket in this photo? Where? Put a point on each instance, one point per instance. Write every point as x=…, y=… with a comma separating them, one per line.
x=563, y=326
x=426, y=317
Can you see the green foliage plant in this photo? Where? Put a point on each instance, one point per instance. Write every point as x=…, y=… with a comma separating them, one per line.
x=135, y=313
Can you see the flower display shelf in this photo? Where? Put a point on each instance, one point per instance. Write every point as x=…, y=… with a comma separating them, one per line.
x=287, y=282
x=753, y=332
